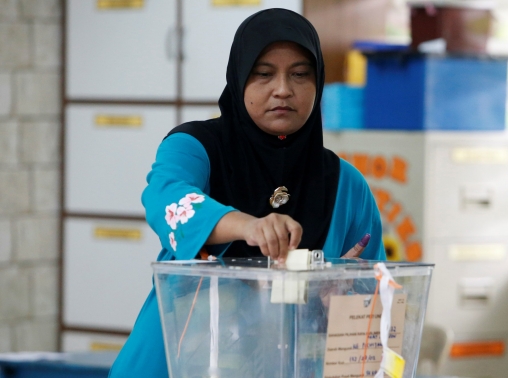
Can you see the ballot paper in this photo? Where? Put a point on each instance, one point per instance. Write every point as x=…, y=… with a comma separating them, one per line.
x=348, y=322
x=291, y=289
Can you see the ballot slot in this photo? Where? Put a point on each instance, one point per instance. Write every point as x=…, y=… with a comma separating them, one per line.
x=117, y=51
x=107, y=274
x=208, y=31
x=109, y=152
x=291, y=289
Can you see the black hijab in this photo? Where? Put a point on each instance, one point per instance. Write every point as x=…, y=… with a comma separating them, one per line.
x=246, y=164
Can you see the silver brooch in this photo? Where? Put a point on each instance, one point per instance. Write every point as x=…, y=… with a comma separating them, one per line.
x=280, y=197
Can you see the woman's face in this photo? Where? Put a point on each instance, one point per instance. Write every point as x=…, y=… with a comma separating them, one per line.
x=281, y=89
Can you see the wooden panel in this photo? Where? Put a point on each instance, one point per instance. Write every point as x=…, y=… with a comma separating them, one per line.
x=339, y=23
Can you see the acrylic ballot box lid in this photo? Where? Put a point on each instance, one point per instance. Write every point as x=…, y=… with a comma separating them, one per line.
x=255, y=318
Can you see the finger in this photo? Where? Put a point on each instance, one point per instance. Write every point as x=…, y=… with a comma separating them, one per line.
x=354, y=252
x=283, y=239
x=295, y=229
x=272, y=242
x=359, y=247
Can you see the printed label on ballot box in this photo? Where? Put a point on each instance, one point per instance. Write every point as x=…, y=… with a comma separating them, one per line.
x=352, y=346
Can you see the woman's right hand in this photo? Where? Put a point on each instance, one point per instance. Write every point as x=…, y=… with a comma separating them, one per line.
x=275, y=235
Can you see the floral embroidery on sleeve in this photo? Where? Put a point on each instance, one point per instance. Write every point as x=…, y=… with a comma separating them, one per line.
x=181, y=213
x=171, y=216
x=172, y=240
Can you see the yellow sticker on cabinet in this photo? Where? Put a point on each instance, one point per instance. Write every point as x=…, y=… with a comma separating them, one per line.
x=120, y=4
x=118, y=121
x=477, y=252
x=221, y=3
x=118, y=233
x=480, y=155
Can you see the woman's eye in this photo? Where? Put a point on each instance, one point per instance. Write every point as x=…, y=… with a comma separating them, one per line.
x=302, y=74
x=262, y=74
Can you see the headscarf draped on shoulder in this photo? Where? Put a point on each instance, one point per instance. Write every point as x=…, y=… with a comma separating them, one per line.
x=247, y=164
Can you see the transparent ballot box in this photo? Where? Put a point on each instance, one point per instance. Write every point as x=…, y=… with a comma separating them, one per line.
x=254, y=318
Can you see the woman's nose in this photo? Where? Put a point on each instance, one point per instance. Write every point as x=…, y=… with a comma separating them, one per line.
x=282, y=87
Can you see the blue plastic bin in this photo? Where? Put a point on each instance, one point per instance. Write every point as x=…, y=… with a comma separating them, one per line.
x=342, y=107
x=425, y=92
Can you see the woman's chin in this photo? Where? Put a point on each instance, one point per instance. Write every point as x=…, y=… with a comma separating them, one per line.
x=280, y=129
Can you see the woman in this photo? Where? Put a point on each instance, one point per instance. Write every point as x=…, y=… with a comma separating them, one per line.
x=256, y=181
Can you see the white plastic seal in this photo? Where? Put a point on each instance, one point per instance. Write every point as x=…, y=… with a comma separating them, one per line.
x=214, y=325
x=391, y=363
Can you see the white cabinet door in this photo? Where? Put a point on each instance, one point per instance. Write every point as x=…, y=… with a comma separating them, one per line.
x=121, y=53
x=109, y=150
x=207, y=37
x=74, y=342
x=199, y=113
x=107, y=272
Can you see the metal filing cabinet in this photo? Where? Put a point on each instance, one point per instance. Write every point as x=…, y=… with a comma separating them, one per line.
x=467, y=239
x=452, y=187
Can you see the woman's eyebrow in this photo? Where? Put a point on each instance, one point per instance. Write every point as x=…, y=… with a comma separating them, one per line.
x=295, y=64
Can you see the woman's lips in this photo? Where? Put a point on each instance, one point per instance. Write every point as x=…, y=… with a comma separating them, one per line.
x=281, y=109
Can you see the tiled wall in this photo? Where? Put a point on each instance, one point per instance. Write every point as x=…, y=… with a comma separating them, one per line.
x=29, y=172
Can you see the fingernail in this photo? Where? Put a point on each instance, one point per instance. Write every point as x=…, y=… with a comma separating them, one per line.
x=365, y=240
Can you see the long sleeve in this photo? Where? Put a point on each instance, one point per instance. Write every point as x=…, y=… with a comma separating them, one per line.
x=180, y=211
x=178, y=207
x=355, y=214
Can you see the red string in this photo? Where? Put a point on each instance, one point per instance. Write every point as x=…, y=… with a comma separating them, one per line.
x=368, y=330
x=189, y=317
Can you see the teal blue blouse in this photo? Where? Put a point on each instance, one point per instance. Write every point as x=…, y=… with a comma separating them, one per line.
x=180, y=211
